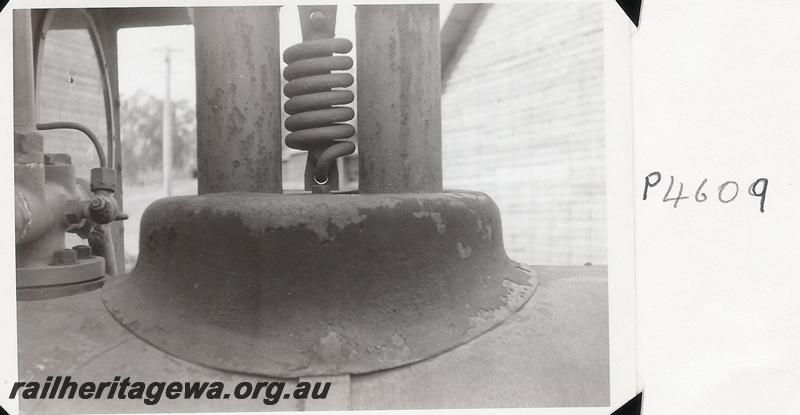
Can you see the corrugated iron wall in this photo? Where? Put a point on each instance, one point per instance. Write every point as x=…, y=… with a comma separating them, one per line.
x=523, y=121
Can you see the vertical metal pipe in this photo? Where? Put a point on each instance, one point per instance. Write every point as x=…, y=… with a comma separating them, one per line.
x=399, y=98
x=166, y=130
x=107, y=32
x=238, y=99
x=24, y=101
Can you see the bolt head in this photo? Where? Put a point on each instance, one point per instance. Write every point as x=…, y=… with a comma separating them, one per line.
x=65, y=257
x=83, y=251
x=317, y=19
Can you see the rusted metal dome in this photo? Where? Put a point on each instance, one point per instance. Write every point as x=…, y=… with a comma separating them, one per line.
x=290, y=285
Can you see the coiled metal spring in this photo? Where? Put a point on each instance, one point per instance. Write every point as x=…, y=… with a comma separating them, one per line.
x=316, y=122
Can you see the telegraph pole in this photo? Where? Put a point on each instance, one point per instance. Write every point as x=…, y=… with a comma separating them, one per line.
x=167, y=125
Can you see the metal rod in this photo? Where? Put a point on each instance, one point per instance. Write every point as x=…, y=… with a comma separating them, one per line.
x=238, y=99
x=166, y=128
x=399, y=98
x=109, y=253
x=24, y=99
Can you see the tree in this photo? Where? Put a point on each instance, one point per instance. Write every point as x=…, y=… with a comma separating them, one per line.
x=140, y=127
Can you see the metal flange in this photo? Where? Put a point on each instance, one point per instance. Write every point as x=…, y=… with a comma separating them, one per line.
x=295, y=285
x=84, y=273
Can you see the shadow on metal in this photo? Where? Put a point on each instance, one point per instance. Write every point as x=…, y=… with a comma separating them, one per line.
x=292, y=285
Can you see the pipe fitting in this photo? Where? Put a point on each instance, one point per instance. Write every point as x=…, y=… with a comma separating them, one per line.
x=102, y=208
x=103, y=178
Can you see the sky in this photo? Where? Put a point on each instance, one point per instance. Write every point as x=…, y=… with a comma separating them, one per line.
x=141, y=52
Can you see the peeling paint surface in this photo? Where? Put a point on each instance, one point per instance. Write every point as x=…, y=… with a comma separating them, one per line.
x=300, y=285
x=516, y=295
x=441, y=226
x=238, y=77
x=463, y=250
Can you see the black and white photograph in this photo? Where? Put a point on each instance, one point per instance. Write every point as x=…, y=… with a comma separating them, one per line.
x=542, y=207
x=311, y=207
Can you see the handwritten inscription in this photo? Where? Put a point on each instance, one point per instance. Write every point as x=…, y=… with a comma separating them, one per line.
x=726, y=192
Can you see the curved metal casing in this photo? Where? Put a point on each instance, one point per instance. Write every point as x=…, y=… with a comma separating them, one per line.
x=45, y=195
x=291, y=285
